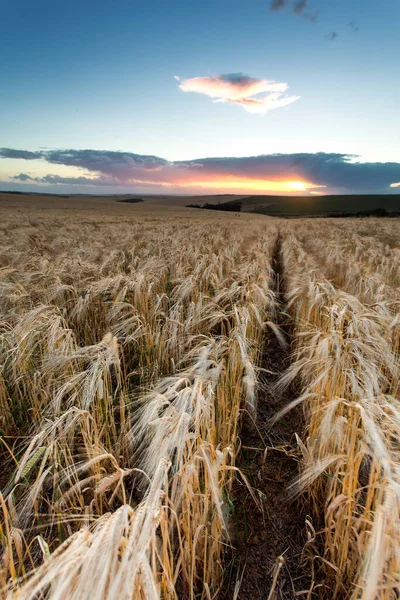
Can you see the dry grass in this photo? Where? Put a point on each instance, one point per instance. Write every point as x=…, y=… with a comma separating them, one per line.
x=126, y=363
x=347, y=360
x=130, y=345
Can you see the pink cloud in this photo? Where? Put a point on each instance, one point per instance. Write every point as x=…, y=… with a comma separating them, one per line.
x=254, y=95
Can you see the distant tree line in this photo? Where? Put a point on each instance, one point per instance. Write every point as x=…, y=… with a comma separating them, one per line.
x=232, y=206
x=131, y=200
x=374, y=212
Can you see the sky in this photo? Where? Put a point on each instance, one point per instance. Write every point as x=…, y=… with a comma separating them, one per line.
x=263, y=96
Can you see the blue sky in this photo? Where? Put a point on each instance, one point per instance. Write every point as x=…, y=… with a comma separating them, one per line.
x=99, y=75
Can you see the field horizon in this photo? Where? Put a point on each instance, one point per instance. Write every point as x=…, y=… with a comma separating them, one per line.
x=268, y=204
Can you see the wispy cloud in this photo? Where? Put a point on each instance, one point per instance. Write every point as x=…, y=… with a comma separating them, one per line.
x=110, y=169
x=332, y=36
x=276, y=5
x=241, y=89
x=300, y=8
x=354, y=26
x=59, y=179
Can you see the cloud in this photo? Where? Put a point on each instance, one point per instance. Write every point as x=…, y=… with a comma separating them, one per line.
x=300, y=9
x=276, y=5
x=24, y=154
x=241, y=89
x=230, y=87
x=269, y=102
x=332, y=36
x=59, y=179
x=107, y=162
x=300, y=6
x=354, y=26
x=22, y=177
x=341, y=173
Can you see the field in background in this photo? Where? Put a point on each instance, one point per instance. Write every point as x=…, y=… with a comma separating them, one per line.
x=323, y=205
x=152, y=359
x=285, y=206
x=78, y=202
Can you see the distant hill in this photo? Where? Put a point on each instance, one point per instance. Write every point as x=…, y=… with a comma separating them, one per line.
x=320, y=205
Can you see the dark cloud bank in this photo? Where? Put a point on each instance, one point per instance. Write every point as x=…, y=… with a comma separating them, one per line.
x=338, y=172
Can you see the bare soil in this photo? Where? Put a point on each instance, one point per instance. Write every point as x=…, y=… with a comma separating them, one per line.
x=274, y=528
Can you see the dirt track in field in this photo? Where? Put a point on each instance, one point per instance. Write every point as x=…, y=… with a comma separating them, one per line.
x=269, y=460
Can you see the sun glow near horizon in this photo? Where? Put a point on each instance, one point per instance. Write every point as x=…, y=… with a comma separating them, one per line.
x=257, y=185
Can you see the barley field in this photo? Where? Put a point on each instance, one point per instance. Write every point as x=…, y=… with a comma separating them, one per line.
x=138, y=345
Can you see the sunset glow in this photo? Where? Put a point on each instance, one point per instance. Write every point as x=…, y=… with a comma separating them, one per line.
x=256, y=185
x=105, y=170
x=300, y=186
